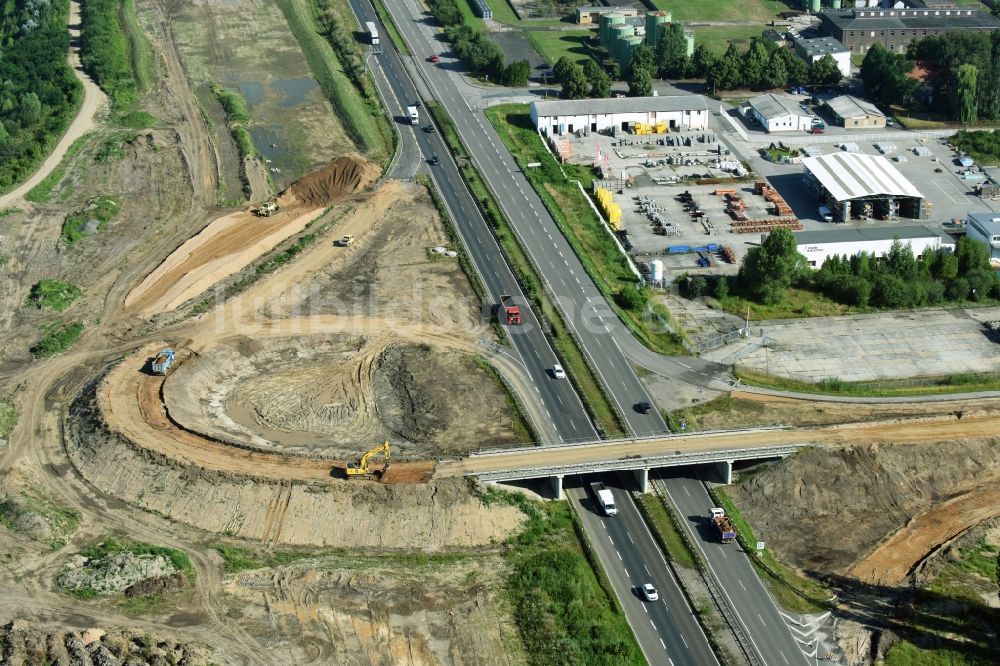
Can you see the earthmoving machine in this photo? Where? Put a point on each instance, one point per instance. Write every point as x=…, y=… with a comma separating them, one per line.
x=265, y=209
x=508, y=312
x=725, y=527
x=363, y=469
x=163, y=361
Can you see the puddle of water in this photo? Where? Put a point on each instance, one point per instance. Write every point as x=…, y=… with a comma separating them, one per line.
x=294, y=91
x=253, y=91
x=270, y=143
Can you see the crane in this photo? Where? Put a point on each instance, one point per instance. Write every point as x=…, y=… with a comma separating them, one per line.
x=362, y=469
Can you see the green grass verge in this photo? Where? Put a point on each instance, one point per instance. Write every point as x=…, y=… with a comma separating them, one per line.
x=368, y=128
x=572, y=358
x=957, y=383
x=795, y=304
x=138, y=120
x=102, y=209
x=519, y=422
x=791, y=590
x=233, y=103
x=391, y=28
x=40, y=193
x=8, y=417
x=53, y=295
x=905, y=653
x=667, y=531
x=236, y=559
x=554, y=44
x=140, y=52
x=562, y=603
x=5, y=212
x=57, y=339
x=716, y=10
x=586, y=232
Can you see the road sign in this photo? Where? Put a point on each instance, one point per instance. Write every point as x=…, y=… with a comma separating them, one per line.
x=760, y=546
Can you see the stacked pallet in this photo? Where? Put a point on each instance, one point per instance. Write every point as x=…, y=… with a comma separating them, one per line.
x=781, y=208
x=728, y=254
x=764, y=225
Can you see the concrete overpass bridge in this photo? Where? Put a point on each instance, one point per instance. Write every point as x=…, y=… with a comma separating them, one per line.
x=636, y=455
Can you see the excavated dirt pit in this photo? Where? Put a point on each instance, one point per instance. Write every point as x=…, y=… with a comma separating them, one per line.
x=338, y=395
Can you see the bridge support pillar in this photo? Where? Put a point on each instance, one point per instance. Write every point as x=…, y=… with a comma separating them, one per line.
x=642, y=479
x=725, y=469
x=557, y=490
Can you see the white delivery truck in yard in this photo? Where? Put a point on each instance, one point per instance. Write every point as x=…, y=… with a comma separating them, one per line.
x=604, y=499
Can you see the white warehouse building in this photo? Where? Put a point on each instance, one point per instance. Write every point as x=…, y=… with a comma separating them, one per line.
x=618, y=114
x=818, y=246
x=778, y=113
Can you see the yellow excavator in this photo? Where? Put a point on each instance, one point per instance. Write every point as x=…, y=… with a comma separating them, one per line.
x=363, y=470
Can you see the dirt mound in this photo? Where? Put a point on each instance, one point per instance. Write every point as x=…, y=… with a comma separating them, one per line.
x=21, y=643
x=839, y=510
x=342, y=176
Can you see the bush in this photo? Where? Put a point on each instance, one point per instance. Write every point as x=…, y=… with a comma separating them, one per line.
x=634, y=299
x=104, y=51
x=53, y=295
x=57, y=340
x=99, y=209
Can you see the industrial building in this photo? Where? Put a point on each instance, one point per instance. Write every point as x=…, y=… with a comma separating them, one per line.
x=815, y=49
x=985, y=228
x=818, y=246
x=860, y=29
x=620, y=114
x=592, y=15
x=850, y=111
x=860, y=186
x=778, y=113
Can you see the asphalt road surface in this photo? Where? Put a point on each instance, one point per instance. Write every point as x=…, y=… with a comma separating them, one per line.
x=769, y=635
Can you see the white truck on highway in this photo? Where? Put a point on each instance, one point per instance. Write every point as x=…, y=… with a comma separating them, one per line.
x=414, y=115
x=372, y=32
x=604, y=499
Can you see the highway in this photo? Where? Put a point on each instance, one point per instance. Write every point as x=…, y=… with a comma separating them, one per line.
x=752, y=604
x=663, y=627
x=666, y=640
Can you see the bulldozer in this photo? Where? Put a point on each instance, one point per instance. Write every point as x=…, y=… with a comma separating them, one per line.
x=363, y=470
x=266, y=209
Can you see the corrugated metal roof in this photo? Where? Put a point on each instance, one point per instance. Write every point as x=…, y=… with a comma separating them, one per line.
x=775, y=106
x=853, y=175
x=609, y=105
x=861, y=234
x=988, y=223
x=848, y=106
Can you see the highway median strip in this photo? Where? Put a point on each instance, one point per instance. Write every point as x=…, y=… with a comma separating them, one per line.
x=584, y=381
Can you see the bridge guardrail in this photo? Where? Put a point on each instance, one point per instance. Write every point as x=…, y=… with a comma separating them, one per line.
x=636, y=462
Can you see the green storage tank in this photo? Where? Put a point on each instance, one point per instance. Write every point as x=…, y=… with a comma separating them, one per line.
x=618, y=34
x=836, y=4
x=656, y=23
x=814, y=6
x=609, y=23
x=628, y=47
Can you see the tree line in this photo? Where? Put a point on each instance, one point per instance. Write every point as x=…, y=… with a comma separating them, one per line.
x=966, y=87
x=897, y=280
x=479, y=53
x=38, y=93
x=766, y=66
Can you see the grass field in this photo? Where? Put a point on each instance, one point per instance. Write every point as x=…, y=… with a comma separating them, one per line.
x=796, y=303
x=139, y=50
x=722, y=10
x=554, y=44
x=717, y=38
x=958, y=383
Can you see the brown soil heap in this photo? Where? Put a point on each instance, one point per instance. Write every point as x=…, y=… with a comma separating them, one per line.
x=342, y=176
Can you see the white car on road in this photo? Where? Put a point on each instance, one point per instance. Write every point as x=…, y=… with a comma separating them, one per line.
x=558, y=372
x=649, y=592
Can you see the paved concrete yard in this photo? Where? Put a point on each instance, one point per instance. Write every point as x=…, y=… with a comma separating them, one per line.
x=873, y=346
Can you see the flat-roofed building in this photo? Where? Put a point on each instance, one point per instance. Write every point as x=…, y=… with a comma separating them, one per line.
x=615, y=114
x=818, y=246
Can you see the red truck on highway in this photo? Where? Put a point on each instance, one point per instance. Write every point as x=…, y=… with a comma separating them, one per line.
x=507, y=312
x=724, y=526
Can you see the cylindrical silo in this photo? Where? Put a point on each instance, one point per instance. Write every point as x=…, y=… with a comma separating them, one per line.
x=836, y=4
x=656, y=23
x=613, y=22
x=656, y=270
x=814, y=6
x=628, y=47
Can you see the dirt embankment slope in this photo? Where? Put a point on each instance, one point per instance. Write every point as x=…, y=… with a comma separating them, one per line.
x=342, y=514
x=232, y=242
x=872, y=511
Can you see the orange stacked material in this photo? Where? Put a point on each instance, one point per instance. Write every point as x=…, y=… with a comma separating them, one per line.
x=728, y=254
x=758, y=187
x=725, y=193
x=767, y=224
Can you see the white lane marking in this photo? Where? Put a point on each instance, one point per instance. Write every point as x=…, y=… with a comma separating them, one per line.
x=783, y=656
x=684, y=641
x=684, y=365
x=619, y=554
x=577, y=280
x=741, y=584
x=651, y=623
x=547, y=414
x=687, y=492
x=723, y=552
x=665, y=647
x=559, y=398
x=646, y=568
x=630, y=538
x=761, y=620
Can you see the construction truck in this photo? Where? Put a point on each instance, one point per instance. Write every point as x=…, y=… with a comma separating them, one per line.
x=163, y=361
x=508, y=312
x=363, y=468
x=725, y=527
x=266, y=209
x=344, y=241
x=604, y=499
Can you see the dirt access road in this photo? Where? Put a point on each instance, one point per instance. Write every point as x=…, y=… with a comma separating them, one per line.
x=93, y=100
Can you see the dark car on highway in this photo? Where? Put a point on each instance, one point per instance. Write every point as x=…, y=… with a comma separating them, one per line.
x=643, y=407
